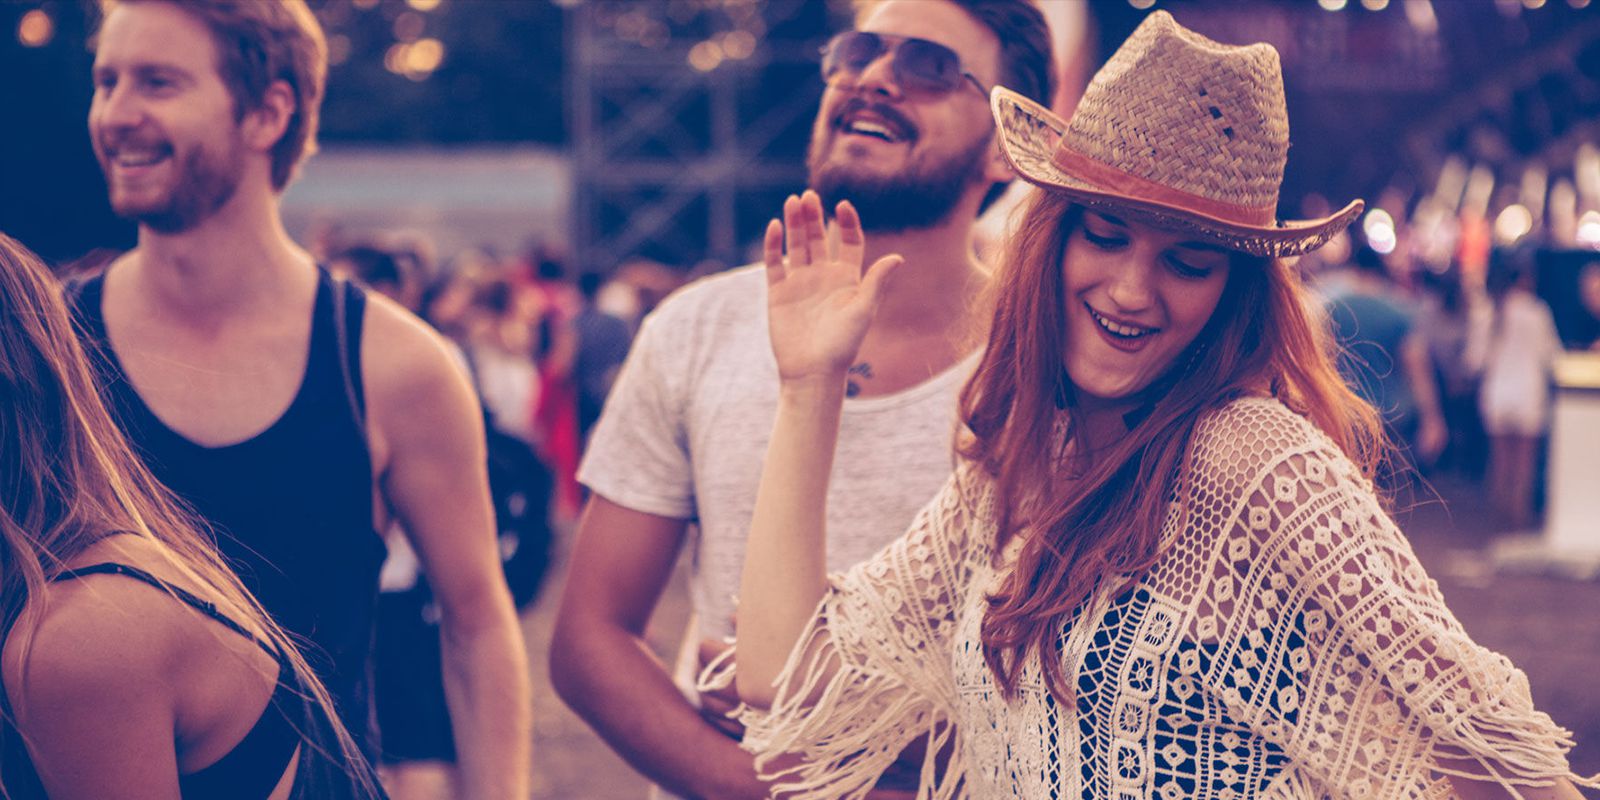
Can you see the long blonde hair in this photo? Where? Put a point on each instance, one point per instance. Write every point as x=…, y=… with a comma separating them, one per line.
x=1087, y=520
x=68, y=478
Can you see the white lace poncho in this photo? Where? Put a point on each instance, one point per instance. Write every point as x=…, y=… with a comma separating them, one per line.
x=1287, y=645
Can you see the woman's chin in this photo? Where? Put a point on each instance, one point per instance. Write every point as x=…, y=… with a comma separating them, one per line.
x=1103, y=396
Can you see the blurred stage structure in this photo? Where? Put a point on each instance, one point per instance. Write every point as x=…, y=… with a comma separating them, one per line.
x=495, y=197
x=674, y=163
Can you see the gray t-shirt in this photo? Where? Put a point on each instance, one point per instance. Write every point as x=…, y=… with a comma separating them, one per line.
x=685, y=431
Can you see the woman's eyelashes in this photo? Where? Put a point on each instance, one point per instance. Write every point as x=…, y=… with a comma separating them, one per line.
x=1181, y=267
x=1105, y=241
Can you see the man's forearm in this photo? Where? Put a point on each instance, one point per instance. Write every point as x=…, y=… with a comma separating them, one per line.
x=487, y=686
x=639, y=711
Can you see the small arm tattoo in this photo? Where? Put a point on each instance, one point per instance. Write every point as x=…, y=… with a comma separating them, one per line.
x=851, y=388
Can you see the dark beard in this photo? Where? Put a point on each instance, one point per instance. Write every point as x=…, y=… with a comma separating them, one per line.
x=206, y=183
x=920, y=197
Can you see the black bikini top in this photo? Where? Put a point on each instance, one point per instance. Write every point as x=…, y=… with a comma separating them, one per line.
x=252, y=768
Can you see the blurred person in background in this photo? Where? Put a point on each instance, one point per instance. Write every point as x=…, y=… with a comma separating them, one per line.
x=298, y=415
x=447, y=299
x=1589, y=298
x=1451, y=320
x=602, y=341
x=550, y=301
x=904, y=141
x=639, y=285
x=135, y=663
x=1384, y=357
x=395, y=275
x=1518, y=360
x=498, y=341
x=496, y=336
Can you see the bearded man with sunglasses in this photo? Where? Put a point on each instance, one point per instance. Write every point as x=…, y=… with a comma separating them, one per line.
x=904, y=139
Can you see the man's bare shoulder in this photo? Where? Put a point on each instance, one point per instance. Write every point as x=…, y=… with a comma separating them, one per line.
x=418, y=393
x=400, y=352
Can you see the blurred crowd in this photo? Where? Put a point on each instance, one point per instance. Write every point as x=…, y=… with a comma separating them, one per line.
x=541, y=342
x=1453, y=332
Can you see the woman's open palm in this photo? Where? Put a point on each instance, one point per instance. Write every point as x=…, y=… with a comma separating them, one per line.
x=819, y=304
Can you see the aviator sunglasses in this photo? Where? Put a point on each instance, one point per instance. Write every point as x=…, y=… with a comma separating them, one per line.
x=918, y=66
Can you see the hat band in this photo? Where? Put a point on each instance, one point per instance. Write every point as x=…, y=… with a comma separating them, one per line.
x=1140, y=189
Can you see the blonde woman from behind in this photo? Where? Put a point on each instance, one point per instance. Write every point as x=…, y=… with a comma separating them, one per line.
x=134, y=663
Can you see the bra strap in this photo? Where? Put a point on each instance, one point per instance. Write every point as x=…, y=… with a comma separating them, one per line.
x=203, y=606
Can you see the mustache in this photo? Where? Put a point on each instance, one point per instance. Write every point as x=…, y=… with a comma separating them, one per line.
x=113, y=140
x=889, y=113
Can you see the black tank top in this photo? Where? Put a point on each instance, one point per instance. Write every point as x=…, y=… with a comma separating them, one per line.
x=292, y=506
x=251, y=769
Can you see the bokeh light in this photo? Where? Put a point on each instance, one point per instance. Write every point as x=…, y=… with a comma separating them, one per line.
x=1589, y=229
x=738, y=45
x=1420, y=15
x=1513, y=223
x=706, y=56
x=36, y=28
x=408, y=27
x=1379, y=229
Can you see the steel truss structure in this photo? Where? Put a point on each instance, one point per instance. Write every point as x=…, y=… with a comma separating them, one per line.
x=675, y=162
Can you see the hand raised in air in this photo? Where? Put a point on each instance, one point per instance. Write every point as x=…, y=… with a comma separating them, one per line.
x=819, y=300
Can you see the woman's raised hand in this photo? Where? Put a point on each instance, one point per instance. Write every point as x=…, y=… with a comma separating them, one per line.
x=819, y=303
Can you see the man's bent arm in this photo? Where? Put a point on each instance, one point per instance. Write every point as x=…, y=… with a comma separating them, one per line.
x=437, y=483
x=602, y=667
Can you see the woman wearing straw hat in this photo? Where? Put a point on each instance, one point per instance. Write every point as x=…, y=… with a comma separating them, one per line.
x=1161, y=569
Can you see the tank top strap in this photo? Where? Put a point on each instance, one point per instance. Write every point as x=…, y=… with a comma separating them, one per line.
x=347, y=314
x=203, y=606
x=336, y=342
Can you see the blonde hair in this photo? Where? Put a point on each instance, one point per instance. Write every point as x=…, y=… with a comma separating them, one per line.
x=68, y=478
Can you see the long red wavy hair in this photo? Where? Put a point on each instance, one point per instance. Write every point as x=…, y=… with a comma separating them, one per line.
x=1086, y=522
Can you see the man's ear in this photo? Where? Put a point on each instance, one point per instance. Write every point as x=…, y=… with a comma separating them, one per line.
x=264, y=125
x=998, y=169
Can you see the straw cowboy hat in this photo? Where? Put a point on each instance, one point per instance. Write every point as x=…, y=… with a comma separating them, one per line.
x=1178, y=131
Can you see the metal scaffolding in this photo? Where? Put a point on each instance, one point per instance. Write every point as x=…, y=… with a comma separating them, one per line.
x=683, y=147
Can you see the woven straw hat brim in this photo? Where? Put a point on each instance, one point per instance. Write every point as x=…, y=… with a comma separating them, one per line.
x=1029, y=133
